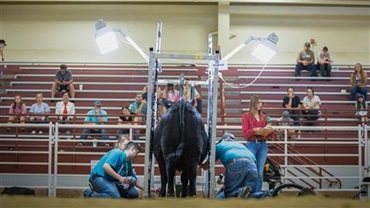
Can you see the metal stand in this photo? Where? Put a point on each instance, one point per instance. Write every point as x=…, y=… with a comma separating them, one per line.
x=364, y=193
x=211, y=115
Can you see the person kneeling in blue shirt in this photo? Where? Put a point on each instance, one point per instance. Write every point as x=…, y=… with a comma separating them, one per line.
x=113, y=176
x=240, y=168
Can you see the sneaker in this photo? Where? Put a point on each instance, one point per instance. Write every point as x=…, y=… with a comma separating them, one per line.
x=87, y=193
x=33, y=132
x=40, y=132
x=90, y=186
x=107, y=144
x=80, y=144
x=245, y=192
x=68, y=132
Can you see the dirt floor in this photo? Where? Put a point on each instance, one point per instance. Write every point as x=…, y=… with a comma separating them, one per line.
x=287, y=202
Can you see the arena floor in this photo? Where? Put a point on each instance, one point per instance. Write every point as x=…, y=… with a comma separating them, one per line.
x=286, y=202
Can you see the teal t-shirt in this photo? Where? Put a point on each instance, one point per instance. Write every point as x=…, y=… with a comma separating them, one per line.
x=117, y=159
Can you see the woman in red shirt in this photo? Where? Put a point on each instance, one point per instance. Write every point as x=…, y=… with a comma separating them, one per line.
x=256, y=131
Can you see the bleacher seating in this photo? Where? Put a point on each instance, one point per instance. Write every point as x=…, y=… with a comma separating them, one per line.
x=117, y=85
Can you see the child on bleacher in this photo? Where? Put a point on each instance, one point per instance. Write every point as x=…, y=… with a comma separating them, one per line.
x=361, y=108
x=285, y=120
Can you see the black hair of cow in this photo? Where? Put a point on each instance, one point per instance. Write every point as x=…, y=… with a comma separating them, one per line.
x=180, y=143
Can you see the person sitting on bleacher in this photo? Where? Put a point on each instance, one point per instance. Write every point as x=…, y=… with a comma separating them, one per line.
x=311, y=105
x=17, y=111
x=39, y=112
x=358, y=81
x=139, y=109
x=125, y=118
x=361, y=108
x=63, y=82
x=293, y=104
x=305, y=61
x=324, y=62
x=65, y=109
x=96, y=116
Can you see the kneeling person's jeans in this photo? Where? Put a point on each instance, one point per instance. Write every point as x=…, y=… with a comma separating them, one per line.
x=104, y=188
x=238, y=175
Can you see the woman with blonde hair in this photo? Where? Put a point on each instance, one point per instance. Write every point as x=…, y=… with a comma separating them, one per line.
x=39, y=111
x=358, y=81
x=257, y=132
x=17, y=111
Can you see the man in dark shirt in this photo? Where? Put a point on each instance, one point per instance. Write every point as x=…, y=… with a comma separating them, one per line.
x=63, y=82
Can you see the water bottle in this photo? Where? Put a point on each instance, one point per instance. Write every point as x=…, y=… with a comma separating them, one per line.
x=95, y=142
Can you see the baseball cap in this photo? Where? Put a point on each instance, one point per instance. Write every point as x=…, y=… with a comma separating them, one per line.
x=307, y=44
x=63, y=66
x=227, y=137
x=285, y=113
x=358, y=95
x=97, y=103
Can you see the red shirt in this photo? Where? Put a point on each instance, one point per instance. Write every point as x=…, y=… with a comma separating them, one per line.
x=249, y=122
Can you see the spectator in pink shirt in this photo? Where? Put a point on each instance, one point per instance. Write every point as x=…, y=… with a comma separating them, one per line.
x=17, y=111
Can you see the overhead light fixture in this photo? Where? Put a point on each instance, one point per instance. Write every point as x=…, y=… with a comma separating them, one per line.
x=264, y=51
x=106, y=39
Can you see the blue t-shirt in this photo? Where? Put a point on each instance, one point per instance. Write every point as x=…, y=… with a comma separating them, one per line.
x=39, y=109
x=228, y=150
x=117, y=159
x=63, y=77
x=94, y=119
x=135, y=106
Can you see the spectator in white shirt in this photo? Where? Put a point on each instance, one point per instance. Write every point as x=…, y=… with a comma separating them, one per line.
x=65, y=110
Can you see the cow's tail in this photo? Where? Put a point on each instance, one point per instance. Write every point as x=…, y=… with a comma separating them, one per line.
x=180, y=148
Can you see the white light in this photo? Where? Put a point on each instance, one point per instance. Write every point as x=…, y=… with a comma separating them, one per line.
x=106, y=41
x=263, y=53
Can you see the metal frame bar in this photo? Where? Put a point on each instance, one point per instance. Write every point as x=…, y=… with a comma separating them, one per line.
x=211, y=115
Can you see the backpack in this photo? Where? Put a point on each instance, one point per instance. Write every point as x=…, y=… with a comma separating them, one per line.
x=18, y=191
x=271, y=170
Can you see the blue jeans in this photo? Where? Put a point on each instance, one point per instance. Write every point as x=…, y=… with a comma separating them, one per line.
x=255, y=195
x=103, y=132
x=356, y=89
x=296, y=116
x=104, y=188
x=299, y=67
x=260, y=150
x=238, y=175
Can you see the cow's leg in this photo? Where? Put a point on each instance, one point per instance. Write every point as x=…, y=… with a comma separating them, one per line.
x=184, y=182
x=162, y=169
x=193, y=179
x=171, y=171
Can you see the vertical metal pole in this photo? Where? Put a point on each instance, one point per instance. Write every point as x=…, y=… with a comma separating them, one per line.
x=212, y=121
x=149, y=129
x=56, y=144
x=50, y=160
x=207, y=173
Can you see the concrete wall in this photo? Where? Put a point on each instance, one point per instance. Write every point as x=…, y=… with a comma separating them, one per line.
x=65, y=32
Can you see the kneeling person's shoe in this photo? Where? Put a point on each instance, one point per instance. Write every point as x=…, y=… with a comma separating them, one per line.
x=245, y=192
x=87, y=193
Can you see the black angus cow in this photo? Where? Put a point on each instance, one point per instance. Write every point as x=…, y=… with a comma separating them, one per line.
x=180, y=143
